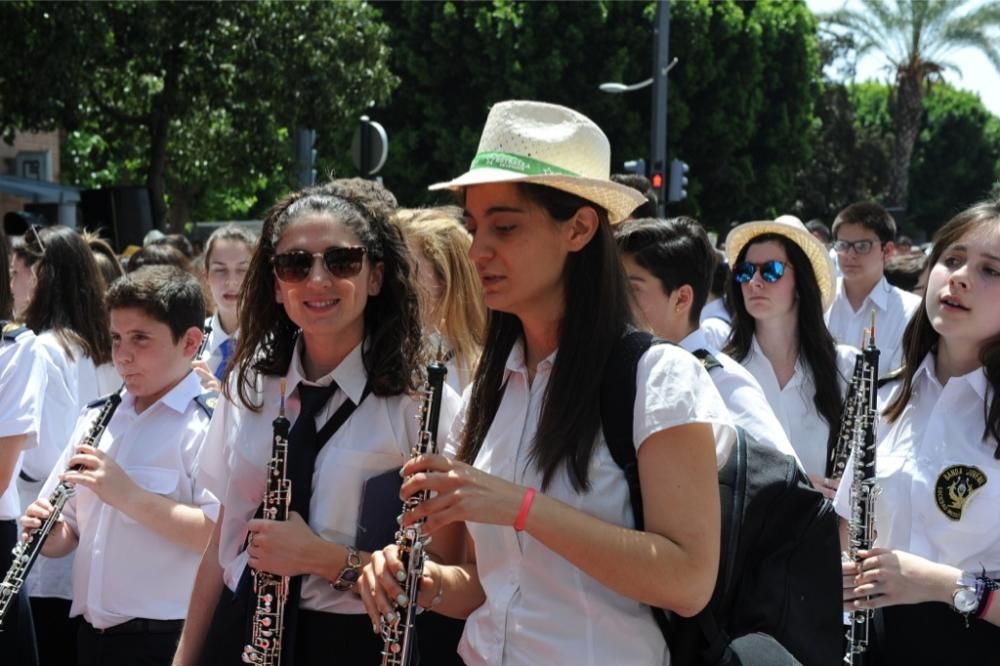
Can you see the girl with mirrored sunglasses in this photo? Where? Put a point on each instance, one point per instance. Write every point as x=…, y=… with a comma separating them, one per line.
x=782, y=279
x=327, y=308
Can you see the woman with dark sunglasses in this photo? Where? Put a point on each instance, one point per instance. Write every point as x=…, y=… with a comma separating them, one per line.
x=783, y=280
x=329, y=310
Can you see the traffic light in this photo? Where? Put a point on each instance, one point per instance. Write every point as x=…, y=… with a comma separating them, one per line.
x=656, y=179
x=678, y=180
x=638, y=167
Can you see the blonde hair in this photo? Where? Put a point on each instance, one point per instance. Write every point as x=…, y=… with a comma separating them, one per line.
x=460, y=314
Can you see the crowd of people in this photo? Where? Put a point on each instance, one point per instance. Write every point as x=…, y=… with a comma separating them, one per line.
x=152, y=390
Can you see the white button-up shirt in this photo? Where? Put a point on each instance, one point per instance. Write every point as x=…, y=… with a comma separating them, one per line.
x=539, y=608
x=794, y=406
x=743, y=396
x=22, y=385
x=376, y=438
x=940, y=429
x=72, y=383
x=124, y=570
x=893, y=309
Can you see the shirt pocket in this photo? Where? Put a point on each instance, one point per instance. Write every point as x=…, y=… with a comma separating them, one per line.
x=161, y=481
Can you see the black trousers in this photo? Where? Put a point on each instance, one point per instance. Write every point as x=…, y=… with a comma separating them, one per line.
x=931, y=634
x=137, y=645
x=55, y=631
x=17, y=640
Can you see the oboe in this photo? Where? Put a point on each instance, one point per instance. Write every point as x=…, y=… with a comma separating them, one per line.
x=206, y=332
x=267, y=626
x=397, y=634
x=864, y=491
x=27, y=551
x=836, y=460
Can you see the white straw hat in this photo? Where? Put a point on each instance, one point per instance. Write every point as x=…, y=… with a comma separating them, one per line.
x=551, y=145
x=791, y=228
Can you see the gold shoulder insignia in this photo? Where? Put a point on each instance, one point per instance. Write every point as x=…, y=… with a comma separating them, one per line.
x=955, y=487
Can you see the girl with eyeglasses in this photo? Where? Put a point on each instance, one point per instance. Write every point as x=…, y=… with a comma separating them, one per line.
x=933, y=572
x=783, y=280
x=556, y=571
x=66, y=310
x=327, y=309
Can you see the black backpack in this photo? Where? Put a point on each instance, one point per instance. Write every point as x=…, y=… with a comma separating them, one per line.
x=777, y=599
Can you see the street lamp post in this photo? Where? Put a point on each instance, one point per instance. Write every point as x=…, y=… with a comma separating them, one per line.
x=661, y=68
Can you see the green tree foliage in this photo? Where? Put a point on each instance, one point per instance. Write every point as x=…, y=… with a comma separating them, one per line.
x=740, y=99
x=915, y=37
x=195, y=100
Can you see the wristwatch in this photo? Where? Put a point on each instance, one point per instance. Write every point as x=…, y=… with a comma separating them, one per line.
x=965, y=598
x=349, y=575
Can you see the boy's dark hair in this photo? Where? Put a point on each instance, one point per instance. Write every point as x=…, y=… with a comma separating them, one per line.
x=165, y=293
x=903, y=270
x=720, y=276
x=677, y=251
x=158, y=254
x=642, y=185
x=869, y=215
x=817, y=227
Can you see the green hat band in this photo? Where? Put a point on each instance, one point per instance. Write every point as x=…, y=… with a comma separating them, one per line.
x=526, y=166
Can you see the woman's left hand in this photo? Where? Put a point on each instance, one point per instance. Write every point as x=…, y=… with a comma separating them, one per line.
x=464, y=493
x=281, y=547
x=893, y=577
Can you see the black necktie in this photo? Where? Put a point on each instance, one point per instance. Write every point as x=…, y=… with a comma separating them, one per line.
x=303, y=445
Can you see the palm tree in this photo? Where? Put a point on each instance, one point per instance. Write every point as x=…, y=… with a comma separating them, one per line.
x=915, y=37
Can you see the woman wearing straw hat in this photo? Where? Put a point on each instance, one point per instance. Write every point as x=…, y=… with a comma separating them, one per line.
x=783, y=281
x=555, y=572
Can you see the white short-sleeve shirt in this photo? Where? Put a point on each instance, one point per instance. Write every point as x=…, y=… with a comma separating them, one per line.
x=22, y=385
x=807, y=430
x=939, y=479
x=123, y=570
x=73, y=381
x=743, y=396
x=893, y=310
x=376, y=438
x=212, y=355
x=539, y=608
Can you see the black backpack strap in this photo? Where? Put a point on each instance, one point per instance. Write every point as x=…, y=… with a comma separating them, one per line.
x=708, y=361
x=618, y=391
x=890, y=377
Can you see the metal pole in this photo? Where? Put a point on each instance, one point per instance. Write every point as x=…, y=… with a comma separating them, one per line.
x=366, y=147
x=661, y=63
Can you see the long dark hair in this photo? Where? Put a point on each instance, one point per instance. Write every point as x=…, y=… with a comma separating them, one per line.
x=69, y=293
x=597, y=312
x=816, y=345
x=920, y=338
x=392, y=352
x=6, y=295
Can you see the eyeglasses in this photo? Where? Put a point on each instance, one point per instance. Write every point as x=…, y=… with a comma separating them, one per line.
x=859, y=246
x=771, y=271
x=340, y=262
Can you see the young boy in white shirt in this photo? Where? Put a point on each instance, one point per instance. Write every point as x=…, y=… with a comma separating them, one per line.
x=139, y=518
x=863, y=239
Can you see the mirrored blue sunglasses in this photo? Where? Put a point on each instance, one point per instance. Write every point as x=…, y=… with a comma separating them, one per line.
x=771, y=271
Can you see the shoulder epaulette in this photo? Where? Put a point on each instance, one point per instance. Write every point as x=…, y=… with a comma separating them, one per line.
x=12, y=331
x=207, y=402
x=891, y=377
x=708, y=361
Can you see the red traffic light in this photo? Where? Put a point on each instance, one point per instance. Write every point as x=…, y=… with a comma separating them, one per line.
x=657, y=181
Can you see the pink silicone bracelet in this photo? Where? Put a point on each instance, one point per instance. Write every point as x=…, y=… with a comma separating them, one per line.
x=522, y=515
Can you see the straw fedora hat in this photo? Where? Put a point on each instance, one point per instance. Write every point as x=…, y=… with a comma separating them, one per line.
x=551, y=145
x=791, y=228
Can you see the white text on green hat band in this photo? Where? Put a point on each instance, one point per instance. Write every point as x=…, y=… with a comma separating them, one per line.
x=526, y=166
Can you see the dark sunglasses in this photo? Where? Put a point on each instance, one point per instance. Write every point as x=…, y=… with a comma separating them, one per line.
x=340, y=262
x=771, y=271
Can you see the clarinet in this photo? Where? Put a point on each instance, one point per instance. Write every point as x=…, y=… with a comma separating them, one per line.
x=27, y=551
x=204, y=342
x=397, y=634
x=836, y=460
x=267, y=626
x=864, y=491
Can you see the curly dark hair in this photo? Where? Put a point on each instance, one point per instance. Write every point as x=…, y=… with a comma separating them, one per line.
x=392, y=351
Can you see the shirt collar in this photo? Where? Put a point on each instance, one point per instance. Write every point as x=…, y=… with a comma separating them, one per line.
x=516, y=360
x=350, y=375
x=696, y=340
x=976, y=379
x=878, y=296
x=218, y=334
x=178, y=398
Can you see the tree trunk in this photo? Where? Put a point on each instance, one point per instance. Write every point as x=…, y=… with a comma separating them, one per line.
x=907, y=110
x=159, y=124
